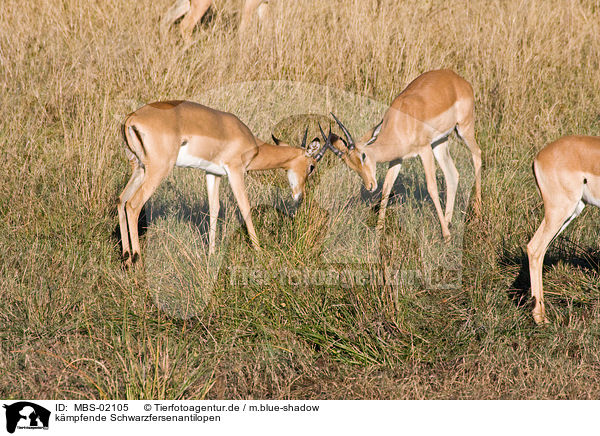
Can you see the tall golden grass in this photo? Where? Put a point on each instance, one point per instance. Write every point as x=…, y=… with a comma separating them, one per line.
x=76, y=326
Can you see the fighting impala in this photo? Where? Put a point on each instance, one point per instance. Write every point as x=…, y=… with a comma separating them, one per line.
x=567, y=172
x=165, y=134
x=194, y=10
x=418, y=123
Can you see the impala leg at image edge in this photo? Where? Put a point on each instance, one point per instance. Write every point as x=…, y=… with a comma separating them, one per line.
x=567, y=172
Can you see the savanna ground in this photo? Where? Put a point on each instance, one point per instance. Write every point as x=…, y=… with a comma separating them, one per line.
x=75, y=325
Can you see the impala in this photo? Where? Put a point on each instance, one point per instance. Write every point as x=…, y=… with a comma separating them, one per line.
x=194, y=10
x=567, y=172
x=418, y=123
x=162, y=135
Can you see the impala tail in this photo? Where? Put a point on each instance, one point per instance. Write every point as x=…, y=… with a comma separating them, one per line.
x=134, y=145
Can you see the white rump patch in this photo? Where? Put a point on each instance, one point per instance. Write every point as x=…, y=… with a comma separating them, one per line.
x=187, y=160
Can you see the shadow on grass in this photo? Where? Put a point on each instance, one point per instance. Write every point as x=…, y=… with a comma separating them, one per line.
x=198, y=215
x=402, y=189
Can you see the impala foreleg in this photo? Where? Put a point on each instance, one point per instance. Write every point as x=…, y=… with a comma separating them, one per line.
x=212, y=184
x=388, y=184
x=442, y=155
x=429, y=167
x=236, y=180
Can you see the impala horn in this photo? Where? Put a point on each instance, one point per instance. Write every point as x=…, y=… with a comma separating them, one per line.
x=319, y=155
x=303, y=145
x=350, y=144
x=328, y=143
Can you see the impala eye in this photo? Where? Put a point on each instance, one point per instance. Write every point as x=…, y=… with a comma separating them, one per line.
x=363, y=156
x=311, y=168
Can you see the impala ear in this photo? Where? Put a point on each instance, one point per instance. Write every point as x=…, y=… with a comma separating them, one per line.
x=375, y=134
x=313, y=147
x=275, y=140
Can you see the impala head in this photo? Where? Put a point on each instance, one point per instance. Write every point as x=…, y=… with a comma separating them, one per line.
x=355, y=156
x=303, y=165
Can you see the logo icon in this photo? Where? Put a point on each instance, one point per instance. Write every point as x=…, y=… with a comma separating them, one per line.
x=26, y=415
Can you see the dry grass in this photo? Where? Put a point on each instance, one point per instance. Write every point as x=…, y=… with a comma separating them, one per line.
x=76, y=326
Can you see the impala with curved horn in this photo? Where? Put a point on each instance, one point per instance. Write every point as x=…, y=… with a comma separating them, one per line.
x=165, y=134
x=418, y=123
x=567, y=172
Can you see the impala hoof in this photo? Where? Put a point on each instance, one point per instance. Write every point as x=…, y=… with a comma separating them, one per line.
x=126, y=260
x=129, y=260
x=540, y=319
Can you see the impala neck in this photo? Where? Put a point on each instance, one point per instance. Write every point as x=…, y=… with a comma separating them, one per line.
x=379, y=152
x=273, y=156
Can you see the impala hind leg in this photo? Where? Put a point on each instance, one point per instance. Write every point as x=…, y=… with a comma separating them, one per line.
x=248, y=11
x=388, y=183
x=212, y=185
x=136, y=180
x=442, y=155
x=236, y=180
x=466, y=130
x=558, y=215
x=179, y=9
x=429, y=167
x=262, y=12
x=197, y=10
x=133, y=207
